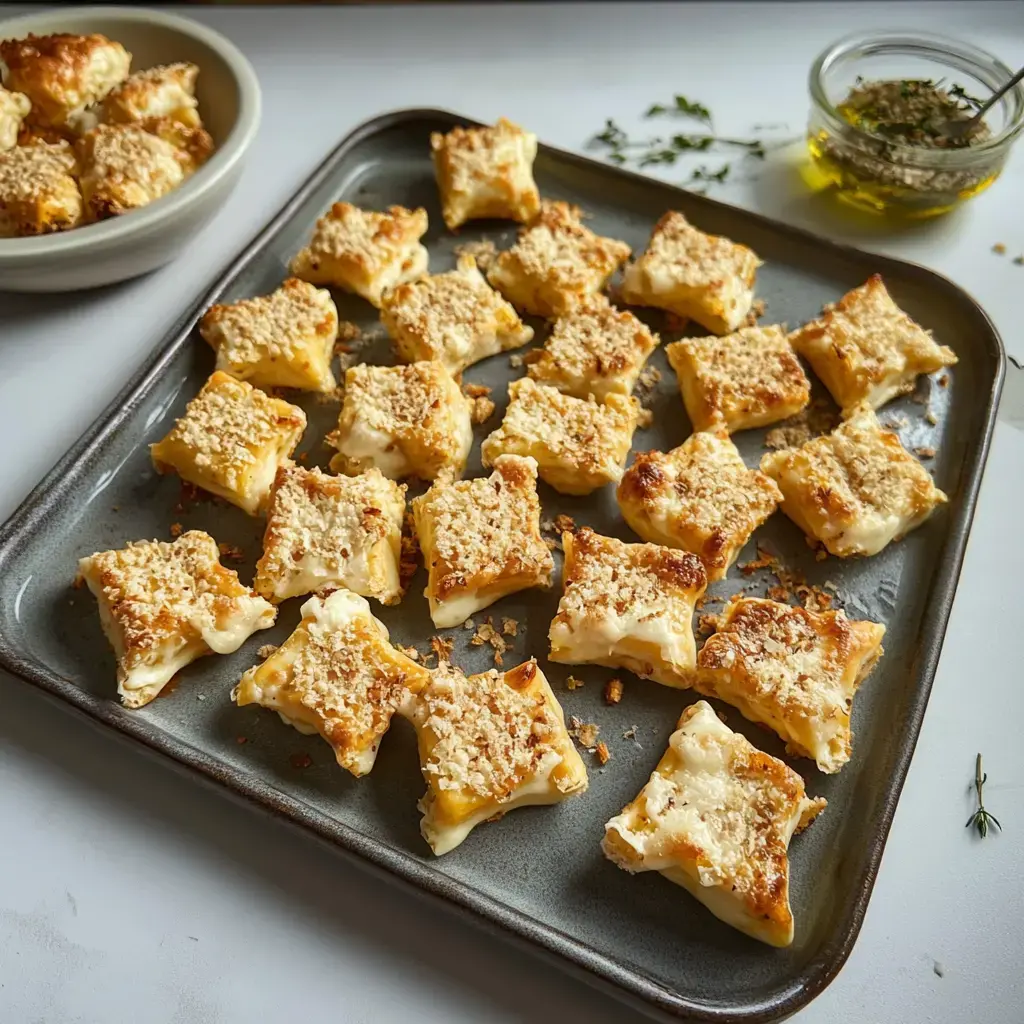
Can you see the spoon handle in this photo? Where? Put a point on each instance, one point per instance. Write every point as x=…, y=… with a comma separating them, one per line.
x=996, y=96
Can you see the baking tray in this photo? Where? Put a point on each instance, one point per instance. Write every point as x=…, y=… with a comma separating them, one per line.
x=539, y=874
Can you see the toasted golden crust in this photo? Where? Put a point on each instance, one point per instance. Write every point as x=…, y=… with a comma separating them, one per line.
x=284, y=340
x=697, y=276
x=339, y=676
x=363, y=251
x=455, y=317
x=556, y=263
x=699, y=497
x=124, y=167
x=481, y=540
x=747, y=379
x=231, y=441
x=866, y=349
x=627, y=606
x=486, y=172
x=716, y=817
x=489, y=743
x=14, y=108
x=409, y=420
x=331, y=531
x=38, y=191
x=856, y=489
x=579, y=445
x=164, y=91
x=63, y=74
x=594, y=350
x=163, y=605
x=794, y=670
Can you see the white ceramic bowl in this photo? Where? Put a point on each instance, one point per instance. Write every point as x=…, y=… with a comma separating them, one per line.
x=140, y=241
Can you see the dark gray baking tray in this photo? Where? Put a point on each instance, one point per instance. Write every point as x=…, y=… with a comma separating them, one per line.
x=538, y=874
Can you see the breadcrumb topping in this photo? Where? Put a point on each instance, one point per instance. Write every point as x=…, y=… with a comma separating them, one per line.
x=595, y=349
x=335, y=524
x=866, y=348
x=796, y=670
x=856, y=488
x=556, y=262
x=572, y=439
x=297, y=322
x=455, y=317
x=161, y=592
x=748, y=378
x=700, y=497
x=228, y=427
x=490, y=737
x=607, y=577
x=38, y=193
x=475, y=532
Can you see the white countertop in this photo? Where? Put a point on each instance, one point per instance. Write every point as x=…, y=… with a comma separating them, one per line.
x=129, y=893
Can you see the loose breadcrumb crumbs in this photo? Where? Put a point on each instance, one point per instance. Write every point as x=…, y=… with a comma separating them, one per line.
x=484, y=252
x=300, y=760
x=707, y=623
x=930, y=418
x=476, y=390
x=231, y=552
x=944, y=381
x=572, y=683
x=487, y=634
x=999, y=249
x=645, y=419
x=565, y=524
x=585, y=733
x=818, y=418
x=650, y=377
x=482, y=411
x=509, y=627
x=604, y=755
x=409, y=553
x=266, y=651
x=613, y=691
x=925, y=453
x=409, y=652
x=516, y=360
x=442, y=647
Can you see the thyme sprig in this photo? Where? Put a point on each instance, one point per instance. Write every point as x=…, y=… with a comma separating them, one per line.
x=981, y=819
x=666, y=151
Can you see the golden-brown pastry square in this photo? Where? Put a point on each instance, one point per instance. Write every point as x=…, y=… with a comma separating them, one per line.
x=409, y=420
x=363, y=251
x=579, y=444
x=488, y=744
x=332, y=531
x=856, y=489
x=162, y=605
x=701, y=277
x=231, y=441
x=594, y=350
x=481, y=540
x=793, y=670
x=124, y=167
x=716, y=817
x=63, y=74
x=282, y=340
x=455, y=317
x=866, y=349
x=14, y=108
x=38, y=191
x=556, y=263
x=167, y=90
x=699, y=497
x=739, y=381
x=486, y=172
x=627, y=606
x=339, y=676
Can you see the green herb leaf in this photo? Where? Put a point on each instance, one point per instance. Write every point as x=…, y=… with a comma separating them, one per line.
x=656, y=110
x=691, y=109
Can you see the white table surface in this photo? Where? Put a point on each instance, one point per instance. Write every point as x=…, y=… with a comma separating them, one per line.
x=129, y=893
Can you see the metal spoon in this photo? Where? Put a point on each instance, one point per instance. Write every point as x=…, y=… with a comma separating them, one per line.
x=961, y=129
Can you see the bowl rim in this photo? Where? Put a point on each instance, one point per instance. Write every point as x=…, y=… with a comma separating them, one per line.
x=141, y=222
x=898, y=38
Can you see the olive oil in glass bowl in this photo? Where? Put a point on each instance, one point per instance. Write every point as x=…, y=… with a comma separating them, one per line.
x=876, y=101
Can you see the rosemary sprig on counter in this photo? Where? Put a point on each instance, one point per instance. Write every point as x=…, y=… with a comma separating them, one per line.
x=981, y=819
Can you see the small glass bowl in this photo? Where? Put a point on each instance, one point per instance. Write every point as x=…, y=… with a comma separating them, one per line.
x=880, y=176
